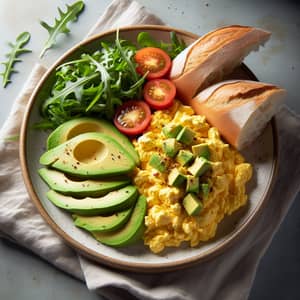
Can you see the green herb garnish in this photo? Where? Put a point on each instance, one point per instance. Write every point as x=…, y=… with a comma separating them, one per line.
x=16, y=50
x=173, y=48
x=60, y=25
x=12, y=138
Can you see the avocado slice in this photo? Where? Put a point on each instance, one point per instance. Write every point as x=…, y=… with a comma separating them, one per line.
x=158, y=162
x=201, y=150
x=192, y=204
x=186, y=136
x=171, y=131
x=205, y=188
x=77, y=126
x=131, y=232
x=175, y=178
x=184, y=157
x=91, y=154
x=110, y=203
x=192, y=184
x=105, y=223
x=59, y=182
x=200, y=166
x=170, y=147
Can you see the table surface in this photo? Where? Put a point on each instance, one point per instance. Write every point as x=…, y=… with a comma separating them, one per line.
x=24, y=276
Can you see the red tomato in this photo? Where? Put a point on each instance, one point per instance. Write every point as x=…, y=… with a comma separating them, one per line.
x=133, y=117
x=159, y=93
x=154, y=60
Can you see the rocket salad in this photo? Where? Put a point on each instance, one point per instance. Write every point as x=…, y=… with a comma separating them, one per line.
x=96, y=84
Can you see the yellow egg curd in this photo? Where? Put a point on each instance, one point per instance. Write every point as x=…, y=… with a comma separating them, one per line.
x=167, y=222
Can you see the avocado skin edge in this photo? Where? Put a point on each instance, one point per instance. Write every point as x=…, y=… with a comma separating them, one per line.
x=131, y=232
x=56, y=137
x=96, y=187
x=95, y=210
x=57, y=159
x=105, y=223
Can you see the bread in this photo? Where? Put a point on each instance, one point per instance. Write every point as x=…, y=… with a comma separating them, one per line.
x=240, y=109
x=213, y=56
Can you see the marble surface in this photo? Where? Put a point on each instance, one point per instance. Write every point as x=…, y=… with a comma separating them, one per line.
x=24, y=276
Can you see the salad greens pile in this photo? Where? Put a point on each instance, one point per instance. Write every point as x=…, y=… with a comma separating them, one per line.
x=95, y=84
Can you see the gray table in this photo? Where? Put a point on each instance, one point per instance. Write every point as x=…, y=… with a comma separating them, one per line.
x=24, y=276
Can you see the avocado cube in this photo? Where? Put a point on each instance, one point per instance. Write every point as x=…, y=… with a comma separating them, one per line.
x=170, y=147
x=171, y=131
x=175, y=178
x=192, y=204
x=200, y=166
x=184, y=157
x=186, y=136
x=192, y=184
x=205, y=188
x=157, y=162
x=201, y=150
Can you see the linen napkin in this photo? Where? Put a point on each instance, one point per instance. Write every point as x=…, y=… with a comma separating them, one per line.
x=228, y=276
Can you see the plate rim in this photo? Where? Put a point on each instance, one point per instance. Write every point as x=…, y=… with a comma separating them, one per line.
x=118, y=263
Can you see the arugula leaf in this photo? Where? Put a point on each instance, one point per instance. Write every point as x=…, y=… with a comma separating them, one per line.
x=144, y=39
x=70, y=87
x=17, y=49
x=177, y=45
x=60, y=25
x=12, y=138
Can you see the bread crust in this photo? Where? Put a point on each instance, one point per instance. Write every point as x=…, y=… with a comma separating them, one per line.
x=213, y=56
x=240, y=109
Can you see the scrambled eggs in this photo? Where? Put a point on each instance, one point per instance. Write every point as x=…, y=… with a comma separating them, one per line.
x=167, y=222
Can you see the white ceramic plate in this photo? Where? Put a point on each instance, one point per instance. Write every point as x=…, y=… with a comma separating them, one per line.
x=262, y=155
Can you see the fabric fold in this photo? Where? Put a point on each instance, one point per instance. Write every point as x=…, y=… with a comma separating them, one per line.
x=19, y=218
x=122, y=13
x=228, y=276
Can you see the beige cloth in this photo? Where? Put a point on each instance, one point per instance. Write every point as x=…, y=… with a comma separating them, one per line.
x=227, y=277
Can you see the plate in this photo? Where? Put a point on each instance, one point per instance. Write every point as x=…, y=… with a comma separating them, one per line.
x=262, y=155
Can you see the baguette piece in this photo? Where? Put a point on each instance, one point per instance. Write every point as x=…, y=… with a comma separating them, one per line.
x=240, y=109
x=213, y=56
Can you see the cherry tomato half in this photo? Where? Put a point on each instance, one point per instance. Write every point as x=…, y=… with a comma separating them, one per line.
x=154, y=60
x=132, y=117
x=159, y=93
